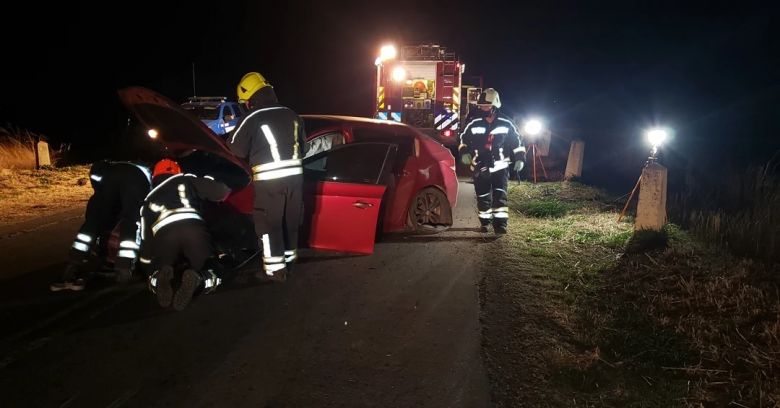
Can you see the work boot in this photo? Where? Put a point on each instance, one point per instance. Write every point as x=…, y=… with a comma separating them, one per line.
x=72, y=279
x=499, y=230
x=483, y=229
x=190, y=281
x=279, y=276
x=163, y=285
x=124, y=270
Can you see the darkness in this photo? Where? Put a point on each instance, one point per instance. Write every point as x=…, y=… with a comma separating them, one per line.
x=601, y=71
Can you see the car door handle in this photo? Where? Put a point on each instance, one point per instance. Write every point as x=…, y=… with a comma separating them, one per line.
x=362, y=205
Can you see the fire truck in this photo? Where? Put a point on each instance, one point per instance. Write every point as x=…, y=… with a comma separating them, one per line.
x=423, y=88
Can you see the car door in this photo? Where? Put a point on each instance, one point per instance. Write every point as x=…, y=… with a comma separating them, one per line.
x=343, y=195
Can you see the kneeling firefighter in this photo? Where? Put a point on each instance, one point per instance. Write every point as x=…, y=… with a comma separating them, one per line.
x=172, y=228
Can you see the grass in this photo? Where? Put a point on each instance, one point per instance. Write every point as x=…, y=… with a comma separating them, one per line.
x=26, y=194
x=600, y=316
x=17, y=148
x=739, y=210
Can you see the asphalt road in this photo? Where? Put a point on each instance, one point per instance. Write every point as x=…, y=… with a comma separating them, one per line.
x=398, y=328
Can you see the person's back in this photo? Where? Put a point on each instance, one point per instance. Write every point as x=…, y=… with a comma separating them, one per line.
x=172, y=226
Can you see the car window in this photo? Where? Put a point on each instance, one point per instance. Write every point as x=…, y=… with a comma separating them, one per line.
x=353, y=163
x=404, y=141
x=324, y=143
x=203, y=112
x=227, y=112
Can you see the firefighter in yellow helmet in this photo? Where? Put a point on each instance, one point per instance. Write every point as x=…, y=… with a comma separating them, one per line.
x=271, y=138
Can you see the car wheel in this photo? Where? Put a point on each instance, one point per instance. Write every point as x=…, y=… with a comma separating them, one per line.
x=430, y=212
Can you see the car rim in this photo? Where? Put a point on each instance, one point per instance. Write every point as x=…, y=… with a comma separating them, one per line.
x=428, y=210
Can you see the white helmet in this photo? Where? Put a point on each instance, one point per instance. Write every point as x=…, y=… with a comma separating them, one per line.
x=489, y=97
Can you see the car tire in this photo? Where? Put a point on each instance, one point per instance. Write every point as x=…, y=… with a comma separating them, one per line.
x=429, y=212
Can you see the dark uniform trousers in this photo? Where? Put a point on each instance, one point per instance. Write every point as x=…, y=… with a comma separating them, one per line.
x=492, y=197
x=277, y=216
x=119, y=192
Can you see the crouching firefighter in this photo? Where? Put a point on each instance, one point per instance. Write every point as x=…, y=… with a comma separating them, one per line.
x=172, y=228
x=490, y=143
x=119, y=191
x=272, y=137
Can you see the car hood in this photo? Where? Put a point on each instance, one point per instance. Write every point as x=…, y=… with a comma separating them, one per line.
x=185, y=137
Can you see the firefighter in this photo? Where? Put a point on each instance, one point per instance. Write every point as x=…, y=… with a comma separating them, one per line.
x=172, y=227
x=271, y=138
x=490, y=144
x=119, y=191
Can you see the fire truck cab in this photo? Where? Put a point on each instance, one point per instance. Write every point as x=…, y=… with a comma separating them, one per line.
x=421, y=87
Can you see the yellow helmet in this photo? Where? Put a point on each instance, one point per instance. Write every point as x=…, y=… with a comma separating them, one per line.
x=250, y=83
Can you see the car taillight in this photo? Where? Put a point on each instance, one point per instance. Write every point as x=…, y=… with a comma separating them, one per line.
x=446, y=133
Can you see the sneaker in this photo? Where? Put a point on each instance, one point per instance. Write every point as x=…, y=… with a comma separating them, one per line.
x=190, y=281
x=71, y=280
x=164, y=286
x=279, y=276
x=75, y=285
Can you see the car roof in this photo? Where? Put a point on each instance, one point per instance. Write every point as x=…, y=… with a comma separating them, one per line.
x=352, y=119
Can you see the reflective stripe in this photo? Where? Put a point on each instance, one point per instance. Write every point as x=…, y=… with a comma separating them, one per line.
x=499, y=166
x=501, y=215
x=80, y=246
x=96, y=177
x=484, y=195
x=229, y=128
x=174, y=218
x=519, y=149
x=478, y=130
x=501, y=130
x=162, y=184
x=233, y=139
x=208, y=177
x=84, y=238
x=145, y=261
x=275, y=165
x=153, y=281
x=486, y=214
x=501, y=209
x=273, y=259
x=500, y=189
x=266, y=246
x=271, y=268
x=128, y=244
x=269, y=137
x=510, y=124
x=275, y=174
x=290, y=255
x=127, y=253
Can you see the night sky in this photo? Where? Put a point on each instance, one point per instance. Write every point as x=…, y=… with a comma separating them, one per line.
x=600, y=71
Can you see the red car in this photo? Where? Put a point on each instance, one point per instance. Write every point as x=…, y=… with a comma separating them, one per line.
x=361, y=175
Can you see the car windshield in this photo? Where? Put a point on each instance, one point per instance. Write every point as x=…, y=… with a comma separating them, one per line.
x=203, y=112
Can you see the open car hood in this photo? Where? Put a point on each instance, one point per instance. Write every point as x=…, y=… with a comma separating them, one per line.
x=185, y=137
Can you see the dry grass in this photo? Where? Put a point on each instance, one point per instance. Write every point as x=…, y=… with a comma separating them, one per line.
x=682, y=325
x=26, y=194
x=16, y=150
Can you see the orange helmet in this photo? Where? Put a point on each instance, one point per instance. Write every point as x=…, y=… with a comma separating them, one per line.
x=166, y=166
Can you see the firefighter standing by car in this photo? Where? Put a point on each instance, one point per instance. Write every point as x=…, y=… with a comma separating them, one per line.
x=119, y=191
x=171, y=226
x=490, y=143
x=272, y=138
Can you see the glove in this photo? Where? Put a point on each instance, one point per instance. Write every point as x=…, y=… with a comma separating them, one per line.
x=465, y=158
x=519, y=166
